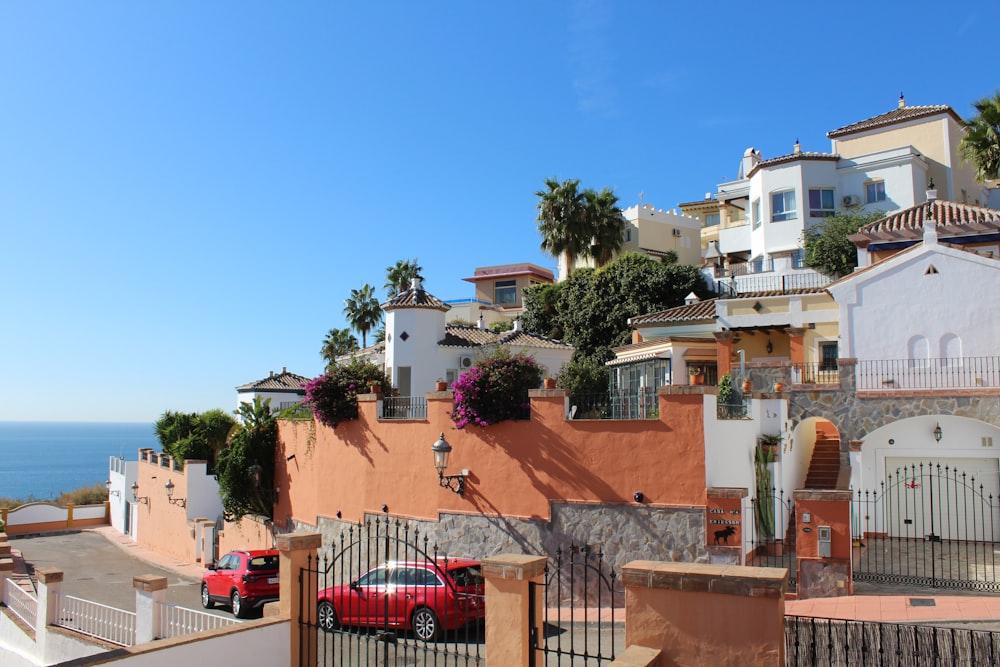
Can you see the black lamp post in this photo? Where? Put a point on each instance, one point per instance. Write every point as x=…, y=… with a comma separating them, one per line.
x=169, y=486
x=442, y=451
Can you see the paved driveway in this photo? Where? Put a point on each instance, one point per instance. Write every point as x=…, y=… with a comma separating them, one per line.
x=100, y=571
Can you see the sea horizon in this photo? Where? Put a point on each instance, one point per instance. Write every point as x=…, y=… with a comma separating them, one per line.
x=41, y=459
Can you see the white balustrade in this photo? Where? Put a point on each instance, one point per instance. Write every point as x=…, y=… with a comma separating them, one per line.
x=97, y=620
x=176, y=621
x=20, y=602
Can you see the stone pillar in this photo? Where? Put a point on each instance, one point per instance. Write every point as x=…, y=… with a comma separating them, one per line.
x=821, y=576
x=49, y=588
x=724, y=352
x=150, y=593
x=297, y=552
x=697, y=614
x=507, y=632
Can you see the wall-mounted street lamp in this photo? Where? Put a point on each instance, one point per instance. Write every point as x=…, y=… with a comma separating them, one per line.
x=169, y=486
x=136, y=498
x=456, y=483
x=112, y=492
x=938, y=432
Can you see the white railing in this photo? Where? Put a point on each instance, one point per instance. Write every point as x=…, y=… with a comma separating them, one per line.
x=97, y=620
x=20, y=602
x=176, y=621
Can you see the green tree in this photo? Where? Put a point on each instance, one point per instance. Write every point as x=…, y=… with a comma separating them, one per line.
x=562, y=220
x=605, y=220
x=400, y=276
x=338, y=342
x=584, y=374
x=195, y=436
x=827, y=246
x=981, y=143
x=245, y=470
x=363, y=311
x=541, y=310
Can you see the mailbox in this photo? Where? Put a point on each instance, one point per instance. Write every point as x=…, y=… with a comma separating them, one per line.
x=823, y=534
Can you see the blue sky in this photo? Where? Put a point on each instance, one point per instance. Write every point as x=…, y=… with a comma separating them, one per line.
x=189, y=190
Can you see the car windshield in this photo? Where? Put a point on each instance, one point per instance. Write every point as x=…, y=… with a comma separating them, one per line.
x=263, y=563
x=467, y=576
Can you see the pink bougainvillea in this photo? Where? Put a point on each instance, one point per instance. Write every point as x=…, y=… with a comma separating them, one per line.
x=495, y=390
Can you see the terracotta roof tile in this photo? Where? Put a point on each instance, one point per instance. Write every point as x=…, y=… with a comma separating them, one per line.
x=792, y=157
x=898, y=115
x=284, y=381
x=703, y=310
x=415, y=297
x=952, y=218
x=470, y=336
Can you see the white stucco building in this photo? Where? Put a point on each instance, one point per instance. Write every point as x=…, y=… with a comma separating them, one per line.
x=284, y=389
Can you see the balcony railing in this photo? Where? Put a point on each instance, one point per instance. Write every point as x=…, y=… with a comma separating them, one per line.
x=735, y=409
x=97, y=620
x=635, y=405
x=825, y=372
x=22, y=603
x=404, y=407
x=178, y=621
x=927, y=374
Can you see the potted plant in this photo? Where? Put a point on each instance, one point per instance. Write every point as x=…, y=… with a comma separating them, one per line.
x=770, y=442
x=747, y=386
x=440, y=385
x=374, y=387
x=696, y=375
x=549, y=383
x=779, y=386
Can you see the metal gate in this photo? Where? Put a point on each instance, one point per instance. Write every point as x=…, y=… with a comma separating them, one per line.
x=772, y=533
x=579, y=600
x=383, y=596
x=928, y=525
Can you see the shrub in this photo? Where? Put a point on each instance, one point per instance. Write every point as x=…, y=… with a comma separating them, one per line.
x=333, y=396
x=86, y=495
x=495, y=389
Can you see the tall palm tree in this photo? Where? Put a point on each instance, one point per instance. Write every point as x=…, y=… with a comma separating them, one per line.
x=607, y=223
x=562, y=220
x=981, y=143
x=362, y=311
x=399, y=276
x=338, y=342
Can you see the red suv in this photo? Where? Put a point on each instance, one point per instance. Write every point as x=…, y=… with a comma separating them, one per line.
x=427, y=597
x=242, y=579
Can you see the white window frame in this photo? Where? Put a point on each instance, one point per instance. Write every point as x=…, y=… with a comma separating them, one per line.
x=785, y=214
x=875, y=183
x=822, y=212
x=755, y=213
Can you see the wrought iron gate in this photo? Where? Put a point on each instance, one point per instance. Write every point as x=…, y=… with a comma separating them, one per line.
x=928, y=525
x=771, y=527
x=579, y=598
x=383, y=596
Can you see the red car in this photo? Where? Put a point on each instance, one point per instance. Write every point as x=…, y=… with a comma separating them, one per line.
x=244, y=580
x=427, y=597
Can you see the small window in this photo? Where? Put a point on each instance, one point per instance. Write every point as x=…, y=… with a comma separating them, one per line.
x=263, y=563
x=874, y=192
x=799, y=259
x=755, y=213
x=821, y=202
x=712, y=219
x=828, y=356
x=505, y=292
x=627, y=235
x=783, y=206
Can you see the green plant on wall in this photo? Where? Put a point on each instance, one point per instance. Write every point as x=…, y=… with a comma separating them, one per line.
x=763, y=508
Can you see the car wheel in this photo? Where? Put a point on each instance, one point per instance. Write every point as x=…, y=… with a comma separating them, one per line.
x=206, y=599
x=425, y=624
x=239, y=610
x=327, y=617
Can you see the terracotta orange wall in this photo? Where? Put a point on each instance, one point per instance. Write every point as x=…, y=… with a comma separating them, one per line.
x=162, y=526
x=517, y=468
x=829, y=508
x=246, y=534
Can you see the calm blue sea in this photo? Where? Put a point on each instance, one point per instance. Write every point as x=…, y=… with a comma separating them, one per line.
x=43, y=459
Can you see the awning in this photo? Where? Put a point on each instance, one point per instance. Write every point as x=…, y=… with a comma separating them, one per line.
x=638, y=357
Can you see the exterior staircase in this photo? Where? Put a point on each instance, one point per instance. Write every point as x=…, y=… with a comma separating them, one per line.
x=824, y=468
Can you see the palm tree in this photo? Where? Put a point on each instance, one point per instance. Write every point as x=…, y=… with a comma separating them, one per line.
x=981, y=143
x=605, y=219
x=362, y=311
x=399, y=277
x=562, y=220
x=338, y=342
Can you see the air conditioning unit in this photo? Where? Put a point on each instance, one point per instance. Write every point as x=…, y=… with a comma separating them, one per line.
x=677, y=232
x=465, y=362
x=851, y=200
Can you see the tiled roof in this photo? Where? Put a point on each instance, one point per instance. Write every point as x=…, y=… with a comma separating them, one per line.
x=792, y=157
x=471, y=336
x=952, y=218
x=283, y=381
x=702, y=310
x=415, y=297
x=898, y=115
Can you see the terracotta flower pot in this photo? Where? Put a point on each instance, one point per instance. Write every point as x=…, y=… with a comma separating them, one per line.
x=747, y=386
x=375, y=389
x=697, y=379
x=440, y=385
x=549, y=383
x=779, y=386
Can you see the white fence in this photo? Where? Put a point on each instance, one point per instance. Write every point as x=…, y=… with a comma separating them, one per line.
x=177, y=621
x=20, y=602
x=97, y=620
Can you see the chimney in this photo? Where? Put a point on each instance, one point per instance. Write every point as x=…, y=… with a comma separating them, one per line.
x=517, y=324
x=797, y=148
x=482, y=324
x=415, y=285
x=284, y=369
x=902, y=100
x=270, y=374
